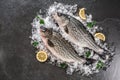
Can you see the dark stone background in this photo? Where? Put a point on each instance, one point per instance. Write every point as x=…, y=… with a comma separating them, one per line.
x=17, y=56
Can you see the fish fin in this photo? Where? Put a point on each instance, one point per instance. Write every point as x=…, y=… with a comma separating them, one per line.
x=91, y=36
x=66, y=29
x=50, y=43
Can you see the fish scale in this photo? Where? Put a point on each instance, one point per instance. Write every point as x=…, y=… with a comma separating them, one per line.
x=87, y=38
x=60, y=48
x=78, y=35
x=76, y=32
x=66, y=48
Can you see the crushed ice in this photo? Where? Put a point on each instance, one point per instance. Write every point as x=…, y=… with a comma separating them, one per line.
x=70, y=10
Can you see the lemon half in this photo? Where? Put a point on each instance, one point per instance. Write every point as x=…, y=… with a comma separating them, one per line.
x=100, y=36
x=41, y=56
x=82, y=13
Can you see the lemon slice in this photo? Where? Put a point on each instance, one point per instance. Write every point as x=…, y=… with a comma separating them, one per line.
x=100, y=36
x=82, y=13
x=41, y=56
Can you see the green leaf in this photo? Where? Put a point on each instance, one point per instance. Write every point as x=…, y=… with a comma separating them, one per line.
x=42, y=21
x=38, y=17
x=99, y=65
x=94, y=22
x=91, y=24
x=35, y=43
x=63, y=65
x=87, y=54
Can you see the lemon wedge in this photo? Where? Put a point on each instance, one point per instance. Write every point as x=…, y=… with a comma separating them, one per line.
x=41, y=56
x=100, y=36
x=82, y=13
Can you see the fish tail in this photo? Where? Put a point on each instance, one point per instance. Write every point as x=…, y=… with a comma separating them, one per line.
x=96, y=48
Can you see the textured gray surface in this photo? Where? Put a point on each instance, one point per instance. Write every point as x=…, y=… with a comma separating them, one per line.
x=17, y=57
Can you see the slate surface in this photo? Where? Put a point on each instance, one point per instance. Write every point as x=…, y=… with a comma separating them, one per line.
x=17, y=57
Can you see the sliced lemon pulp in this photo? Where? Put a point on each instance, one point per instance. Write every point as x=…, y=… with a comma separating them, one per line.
x=41, y=56
x=100, y=36
x=82, y=13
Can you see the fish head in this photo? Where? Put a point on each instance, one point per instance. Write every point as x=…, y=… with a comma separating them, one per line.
x=60, y=18
x=45, y=32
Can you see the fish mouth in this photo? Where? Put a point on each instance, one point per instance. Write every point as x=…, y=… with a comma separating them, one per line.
x=57, y=18
x=43, y=29
x=59, y=14
x=56, y=14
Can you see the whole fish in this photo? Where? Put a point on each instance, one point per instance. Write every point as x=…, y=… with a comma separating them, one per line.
x=75, y=32
x=59, y=47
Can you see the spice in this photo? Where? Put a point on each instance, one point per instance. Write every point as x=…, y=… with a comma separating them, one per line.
x=99, y=65
x=91, y=24
x=87, y=54
x=35, y=43
x=63, y=65
x=42, y=21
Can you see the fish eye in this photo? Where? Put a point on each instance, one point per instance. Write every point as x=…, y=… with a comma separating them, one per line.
x=59, y=14
x=56, y=24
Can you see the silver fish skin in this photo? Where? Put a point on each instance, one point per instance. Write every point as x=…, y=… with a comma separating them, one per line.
x=75, y=32
x=59, y=47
